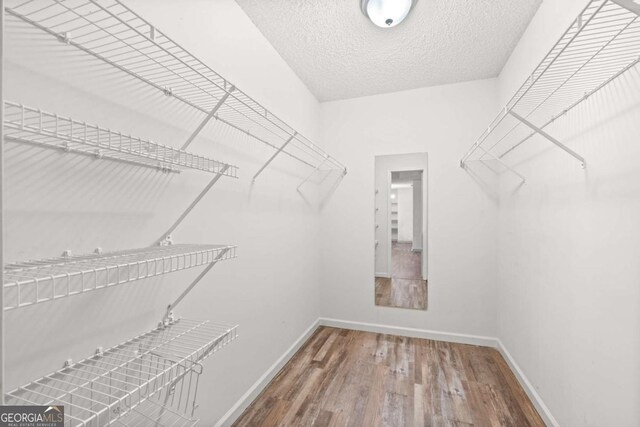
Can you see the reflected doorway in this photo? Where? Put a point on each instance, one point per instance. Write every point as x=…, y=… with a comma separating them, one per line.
x=401, y=279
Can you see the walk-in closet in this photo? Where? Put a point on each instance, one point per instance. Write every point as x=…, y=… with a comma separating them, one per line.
x=320, y=213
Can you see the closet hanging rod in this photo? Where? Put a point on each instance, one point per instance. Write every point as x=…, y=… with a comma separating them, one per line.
x=113, y=33
x=97, y=391
x=602, y=43
x=33, y=282
x=29, y=125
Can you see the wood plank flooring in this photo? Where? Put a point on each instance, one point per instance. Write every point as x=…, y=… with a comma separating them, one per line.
x=405, y=288
x=350, y=378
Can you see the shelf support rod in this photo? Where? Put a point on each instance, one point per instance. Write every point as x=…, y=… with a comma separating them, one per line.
x=184, y=293
x=206, y=120
x=549, y=137
x=275, y=155
x=191, y=206
x=499, y=160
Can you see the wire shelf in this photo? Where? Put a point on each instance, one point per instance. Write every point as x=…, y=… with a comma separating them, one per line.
x=153, y=413
x=32, y=282
x=174, y=405
x=101, y=389
x=600, y=45
x=113, y=33
x=37, y=127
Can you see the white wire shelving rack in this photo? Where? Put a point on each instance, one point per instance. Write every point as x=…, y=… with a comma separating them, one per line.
x=32, y=282
x=115, y=386
x=174, y=405
x=110, y=31
x=601, y=44
x=151, y=412
x=34, y=126
x=151, y=379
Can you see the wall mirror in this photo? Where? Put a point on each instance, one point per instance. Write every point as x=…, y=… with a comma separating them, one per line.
x=401, y=231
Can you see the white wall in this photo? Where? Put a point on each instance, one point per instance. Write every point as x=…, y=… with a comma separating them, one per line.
x=405, y=214
x=462, y=214
x=569, y=245
x=56, y=202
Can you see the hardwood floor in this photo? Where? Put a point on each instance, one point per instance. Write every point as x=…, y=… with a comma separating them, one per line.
x=350, y=378
x=405, y=288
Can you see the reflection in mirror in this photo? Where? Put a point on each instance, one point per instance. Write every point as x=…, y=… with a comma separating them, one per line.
x=401, y=231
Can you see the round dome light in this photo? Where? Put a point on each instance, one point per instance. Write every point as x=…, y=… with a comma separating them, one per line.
x=386, y=13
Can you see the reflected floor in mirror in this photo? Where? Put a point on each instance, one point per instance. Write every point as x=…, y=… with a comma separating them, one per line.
x=405, y=289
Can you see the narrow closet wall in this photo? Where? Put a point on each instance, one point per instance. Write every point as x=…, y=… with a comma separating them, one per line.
x=569, y=245
x=57, y=201
x=462, y=209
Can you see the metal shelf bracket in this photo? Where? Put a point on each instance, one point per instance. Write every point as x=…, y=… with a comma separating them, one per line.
x=282, y=147
x=541, y=132
x=209, y=116
x=167, y=234
x=169, y=312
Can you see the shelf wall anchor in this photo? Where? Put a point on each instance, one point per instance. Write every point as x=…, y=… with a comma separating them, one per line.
x=64, y=37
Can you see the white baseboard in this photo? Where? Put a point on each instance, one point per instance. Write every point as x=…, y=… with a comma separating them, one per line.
x=535, y=398
x=385, y=275
x=243, y=403
x=411, y=332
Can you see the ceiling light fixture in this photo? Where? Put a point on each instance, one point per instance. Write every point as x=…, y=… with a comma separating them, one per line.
x=386, y=13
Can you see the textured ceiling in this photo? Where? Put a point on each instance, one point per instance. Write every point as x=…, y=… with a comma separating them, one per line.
x=340, y=54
